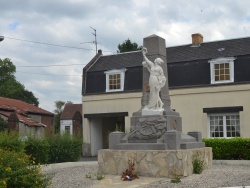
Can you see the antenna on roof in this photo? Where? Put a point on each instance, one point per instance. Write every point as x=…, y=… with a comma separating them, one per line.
x=95, y=42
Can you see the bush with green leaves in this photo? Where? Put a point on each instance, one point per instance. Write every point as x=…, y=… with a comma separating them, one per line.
x=50, y=149
x=64, y=148
x=17, y=170
x=38, y=149
x=176, y=179
x=11, y=141
x=229, y=149
x=198, y=166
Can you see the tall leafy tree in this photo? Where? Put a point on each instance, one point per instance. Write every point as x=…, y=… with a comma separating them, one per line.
x=128, y=46
x=58, y=112
x=10, y=87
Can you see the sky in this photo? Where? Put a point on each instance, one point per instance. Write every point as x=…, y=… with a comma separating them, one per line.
x=50, y=41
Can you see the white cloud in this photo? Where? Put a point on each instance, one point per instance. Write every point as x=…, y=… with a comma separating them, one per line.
x=67, y=23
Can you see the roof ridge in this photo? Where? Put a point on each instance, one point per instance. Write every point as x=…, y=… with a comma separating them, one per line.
x=121, y=53
x=211, y=41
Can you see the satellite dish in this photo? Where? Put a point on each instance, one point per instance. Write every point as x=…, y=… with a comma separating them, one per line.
x=1, y=38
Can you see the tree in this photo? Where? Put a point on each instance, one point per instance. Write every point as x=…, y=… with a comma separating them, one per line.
x=3, y=124
x=10, y=87
x=128, y=46
x=58, y=112
x=59, y=106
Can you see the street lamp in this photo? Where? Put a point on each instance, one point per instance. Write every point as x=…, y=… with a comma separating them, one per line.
x=1, y=38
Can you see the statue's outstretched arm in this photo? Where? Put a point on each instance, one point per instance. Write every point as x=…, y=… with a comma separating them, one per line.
x=144, y=52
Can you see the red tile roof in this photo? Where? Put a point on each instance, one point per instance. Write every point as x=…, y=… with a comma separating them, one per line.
x=21, y=107
x=28, y=121
x=70, y=110
x=5, y=113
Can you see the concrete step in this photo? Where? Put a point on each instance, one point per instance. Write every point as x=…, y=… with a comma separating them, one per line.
x=191, y=145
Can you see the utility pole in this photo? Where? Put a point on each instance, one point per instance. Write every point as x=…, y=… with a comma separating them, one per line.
x=95, y=42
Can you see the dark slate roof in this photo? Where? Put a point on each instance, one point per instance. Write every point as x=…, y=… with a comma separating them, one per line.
x=117, y=61
x=70, y=110
x=209, y=50
x=206, y=50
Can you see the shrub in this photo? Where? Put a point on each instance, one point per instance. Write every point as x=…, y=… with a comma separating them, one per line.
x=38, y=149
x=16, y=170
x=229, y=149
x=11, y=141
x=176, y=179
x=64, y=148
x=198, y=166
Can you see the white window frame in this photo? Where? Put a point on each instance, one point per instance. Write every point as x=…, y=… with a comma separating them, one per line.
x=213, y=62
x=122, y=77
x=224, y=123
x=67, y=126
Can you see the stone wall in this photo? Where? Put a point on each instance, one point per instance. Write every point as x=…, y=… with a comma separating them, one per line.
x=153, y=163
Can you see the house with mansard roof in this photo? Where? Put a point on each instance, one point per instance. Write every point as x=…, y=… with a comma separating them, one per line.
x=71, y=119
x=209, y=85
x=27, y=119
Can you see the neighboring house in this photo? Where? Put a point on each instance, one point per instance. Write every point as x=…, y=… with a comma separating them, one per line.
x=71, y=119
x=27, y=119
x=209, y=86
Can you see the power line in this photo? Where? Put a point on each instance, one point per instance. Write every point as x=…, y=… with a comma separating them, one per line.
x=59, y=45
x=48, y=74
x=49, y=44
x=50, y=65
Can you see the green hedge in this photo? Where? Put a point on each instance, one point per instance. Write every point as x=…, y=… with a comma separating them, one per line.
x=11, y=141
x=38, y=149
x=229, y=149
x=50, y=149
x=64, y=148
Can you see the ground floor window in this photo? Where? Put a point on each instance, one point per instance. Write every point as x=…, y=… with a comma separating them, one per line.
x=224, y=125
x=67, y=130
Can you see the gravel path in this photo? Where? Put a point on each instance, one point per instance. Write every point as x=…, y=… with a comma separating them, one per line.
x=217, y=176
x=75, y=177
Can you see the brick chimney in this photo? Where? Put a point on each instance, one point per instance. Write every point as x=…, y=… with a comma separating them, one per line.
x=197, y=38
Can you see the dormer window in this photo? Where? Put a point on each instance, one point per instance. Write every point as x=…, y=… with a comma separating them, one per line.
x=222, y=70
x=115, y=80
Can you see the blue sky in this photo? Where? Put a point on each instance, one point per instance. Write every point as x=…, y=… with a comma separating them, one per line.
x=67, y=23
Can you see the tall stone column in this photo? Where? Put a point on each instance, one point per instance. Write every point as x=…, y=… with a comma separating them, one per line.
x=156, y=47
x=149, y=128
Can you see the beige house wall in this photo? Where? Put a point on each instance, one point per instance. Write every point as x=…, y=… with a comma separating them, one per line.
x=189, y=102
x=109, y=103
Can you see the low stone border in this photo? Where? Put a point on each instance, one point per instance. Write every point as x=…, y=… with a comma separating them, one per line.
x=56, y=166
x=232, y=162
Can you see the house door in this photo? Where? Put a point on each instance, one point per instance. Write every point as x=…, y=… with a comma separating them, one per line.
x=100, y=129
x=111, y=124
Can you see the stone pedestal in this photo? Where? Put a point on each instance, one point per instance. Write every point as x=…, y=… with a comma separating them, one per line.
x=115, y=138
x=153, y=163
x=196, y=134
x=172, y=139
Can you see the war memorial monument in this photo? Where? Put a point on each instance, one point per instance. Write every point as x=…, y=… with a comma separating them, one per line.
x=155, y=142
